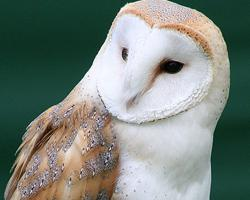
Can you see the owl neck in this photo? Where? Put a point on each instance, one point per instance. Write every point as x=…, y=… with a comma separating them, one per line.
x=167, y=159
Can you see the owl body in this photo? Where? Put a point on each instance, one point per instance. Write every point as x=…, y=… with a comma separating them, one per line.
x=153, y=171
x=140, y=123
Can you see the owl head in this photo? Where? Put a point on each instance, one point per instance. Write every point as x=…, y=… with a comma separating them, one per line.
x=161, y=59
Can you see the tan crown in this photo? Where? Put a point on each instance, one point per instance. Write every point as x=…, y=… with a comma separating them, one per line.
x=166, y=14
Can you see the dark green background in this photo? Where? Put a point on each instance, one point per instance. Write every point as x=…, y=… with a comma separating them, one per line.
x=46, y=46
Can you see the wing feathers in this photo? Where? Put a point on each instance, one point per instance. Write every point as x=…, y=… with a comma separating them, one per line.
x=68, y=153
x=31, y=138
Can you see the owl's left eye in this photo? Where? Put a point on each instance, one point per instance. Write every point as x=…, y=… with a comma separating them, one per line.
x=171, y=66
x=125, y=54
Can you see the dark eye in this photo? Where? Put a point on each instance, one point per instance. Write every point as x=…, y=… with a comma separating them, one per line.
x=124, y=54
x=171, y=66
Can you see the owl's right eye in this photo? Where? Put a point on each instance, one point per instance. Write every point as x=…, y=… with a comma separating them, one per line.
x=125, y=54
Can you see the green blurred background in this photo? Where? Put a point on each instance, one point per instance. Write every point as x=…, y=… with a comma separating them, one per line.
x=47, y=46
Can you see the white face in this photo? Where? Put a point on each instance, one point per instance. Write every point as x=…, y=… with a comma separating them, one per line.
x=148, y=73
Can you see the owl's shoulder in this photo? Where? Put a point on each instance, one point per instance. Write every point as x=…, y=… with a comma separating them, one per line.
x=68, y=151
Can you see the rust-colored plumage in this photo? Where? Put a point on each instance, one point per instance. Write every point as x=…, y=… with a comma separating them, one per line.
x=168, y=15
x=67, y=153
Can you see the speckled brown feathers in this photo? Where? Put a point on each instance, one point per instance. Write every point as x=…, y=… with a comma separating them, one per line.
x=169, y=15
x=67, y=153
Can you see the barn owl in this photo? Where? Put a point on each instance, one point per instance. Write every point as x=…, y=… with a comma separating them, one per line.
x=140, y=124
